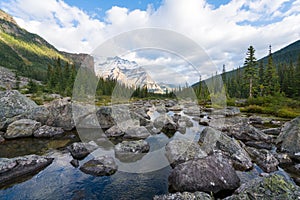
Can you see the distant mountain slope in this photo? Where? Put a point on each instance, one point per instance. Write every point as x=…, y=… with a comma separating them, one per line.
x=24, y=51
x=127, y=72
x=288, y=54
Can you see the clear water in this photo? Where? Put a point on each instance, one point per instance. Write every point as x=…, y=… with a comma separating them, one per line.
x=61, y=180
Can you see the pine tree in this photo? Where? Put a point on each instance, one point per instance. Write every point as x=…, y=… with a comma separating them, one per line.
x=271, y=80
x=297, y=77
x=250, y=70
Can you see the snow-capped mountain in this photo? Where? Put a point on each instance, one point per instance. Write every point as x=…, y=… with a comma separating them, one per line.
x=127, y=72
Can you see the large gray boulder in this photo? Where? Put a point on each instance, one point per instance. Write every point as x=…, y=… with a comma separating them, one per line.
x=166, y=124
x=101, y=166
x=131, y=151
x=289, y=138
x=181, y=150
x=246, y=132
x=11, y=169
x=210, y=174
x=105, y=118
x=22, y=128
x=114, y=131
x=184, y=196
x=212, y=140
x=13, y=103
x=264, y=159
x=271, y=187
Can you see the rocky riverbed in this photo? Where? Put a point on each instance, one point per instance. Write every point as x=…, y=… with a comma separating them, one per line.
x=160, y=149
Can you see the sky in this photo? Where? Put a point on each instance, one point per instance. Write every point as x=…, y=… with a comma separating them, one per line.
x=223, y=29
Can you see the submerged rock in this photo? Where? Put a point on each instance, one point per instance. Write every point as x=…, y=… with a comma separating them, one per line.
x=48, y=131
x=180, y=151
x=210, y=174
x=101, y=166
x=212, y=140
x=80, y=150
x=271, y=187
x=184, y=196
x=131, y=151
x=22, y=128
x=12, y=169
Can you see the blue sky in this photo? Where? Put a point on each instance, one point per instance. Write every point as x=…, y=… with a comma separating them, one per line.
x=224, y=29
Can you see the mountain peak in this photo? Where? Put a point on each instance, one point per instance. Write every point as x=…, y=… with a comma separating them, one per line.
x=6, y=17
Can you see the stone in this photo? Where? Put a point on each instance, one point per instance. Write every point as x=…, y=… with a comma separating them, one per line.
x=136, y=132
x=272, y=131
x=210, y=174
x=165, y=123
x=80, y=150
x=259, y=145
x=256, y=120
x=289, y=138
x=114, y=131
x=13, y=103
x=246, y=132
x=104, y=115
x=131, y=151
x=270, y=187
x=228, y=112
x=184, y=196
x=75, y=163
x=101, y=166
x=21, y=128
x=264, y=159
x=12, y=169
x=283, y=158
x=211, y=140
x=48, y=131
x=181, y=150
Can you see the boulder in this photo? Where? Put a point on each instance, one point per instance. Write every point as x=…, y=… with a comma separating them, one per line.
x=80, y=150
x=264, y=159
x=114, y=131
x=289, y=138
x=131, y=151
x=181, y=150
x=48, y=131
x=259, y=145
x=212, y=140
x=21, y=128
x=210, y=174
x=136, y=132
x=101, y=166
x=184, y=196
x=60, y=114
x=272, y=131
x=228, y=112
x=271, y=187
x=246, y=132
x=12, y=169
x=256, y=120
x=165, y=123
x=104, y=115
x=13, y=103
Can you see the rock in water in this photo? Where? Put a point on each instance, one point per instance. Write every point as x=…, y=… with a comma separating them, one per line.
x=131, y=151
x=166, y=124
x=48, y=131
x=184, y=196
x=13, y=103
x=212, y=140
x=80, y=150
x=22, y=128
x=271, y=187
x=12, y=169
x=211, y=174
x=101, y=166
x=263, y=158
x=114, y=131
x=137, y=132
x=289, y=138
x=180, y=151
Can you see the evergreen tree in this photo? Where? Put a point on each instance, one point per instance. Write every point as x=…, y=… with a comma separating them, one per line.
x=271, y=81
x=297, y=78
x=250, y=70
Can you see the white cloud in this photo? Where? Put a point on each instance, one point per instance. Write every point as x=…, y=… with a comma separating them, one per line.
x=218, y=31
